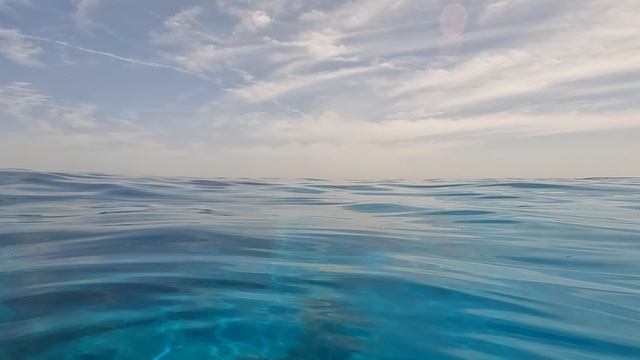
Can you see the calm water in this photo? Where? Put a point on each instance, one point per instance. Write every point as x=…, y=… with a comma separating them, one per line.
x=104, y=267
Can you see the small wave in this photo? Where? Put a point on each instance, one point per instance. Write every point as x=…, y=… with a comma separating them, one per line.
x=488, y=221
x=461, y=213
x=382, y=208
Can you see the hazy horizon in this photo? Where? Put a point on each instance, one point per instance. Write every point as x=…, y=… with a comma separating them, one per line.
x=366, y=89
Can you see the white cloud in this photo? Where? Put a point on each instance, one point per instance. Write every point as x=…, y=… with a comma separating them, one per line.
x=81, y=117
x=18, y=49
x=181, y=27
x=84, y=16
x=497, y=8
x=32, y=109
x=329, y=148
x=361, y=13
x=334, y=128
x=253, y=20
x=313, y=15
x=189, y=46
x=586, y=47
x=321, y=44
x=189, y=42
x=201, y=58
x=523, y=11
x=374, y=104
x=19, y=98
x=269, y=90
x=85, y=10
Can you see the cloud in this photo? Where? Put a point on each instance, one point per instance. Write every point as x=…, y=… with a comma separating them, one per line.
x=56, y=129
x=354, y=15
x=587, y=47
x=10, y=5
x=313, y=15
x=19, y=98
x=181, y=27
x=523, y=12
x=18, y=49
x=189, y=42
x=529, y=86
x=334, y=128
x=390, y=150
x=253, y=20
x=84, y=11
x=269, y=90
x=321, y=44
x=81, y=117
x=32, y=109
x=189, y=46
x=84, y=16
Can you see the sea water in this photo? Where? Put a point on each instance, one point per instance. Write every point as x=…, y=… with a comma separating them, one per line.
x=107, y=267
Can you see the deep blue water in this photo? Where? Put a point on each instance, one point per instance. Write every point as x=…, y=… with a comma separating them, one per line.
x=106, y=267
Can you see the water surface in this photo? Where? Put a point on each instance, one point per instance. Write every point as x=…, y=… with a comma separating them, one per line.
x=105, y=267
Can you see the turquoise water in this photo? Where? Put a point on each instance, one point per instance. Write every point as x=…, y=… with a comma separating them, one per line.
x=106, y=267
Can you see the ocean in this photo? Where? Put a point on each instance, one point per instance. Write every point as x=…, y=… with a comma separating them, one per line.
x=100, y=267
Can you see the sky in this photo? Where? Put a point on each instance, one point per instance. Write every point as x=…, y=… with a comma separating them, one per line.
x=359, y=89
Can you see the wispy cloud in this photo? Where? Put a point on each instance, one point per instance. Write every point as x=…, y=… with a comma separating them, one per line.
x=18, y=49
x=190, y=47
x=36, y=115
x=252, y=20
x=575, y=53
x=84, y=12
x=19, y=98
x=270, y=90
x=11, y=5
x=32, y=109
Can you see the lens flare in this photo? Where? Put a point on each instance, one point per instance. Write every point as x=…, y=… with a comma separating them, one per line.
x=453, y=23
x=453, y=20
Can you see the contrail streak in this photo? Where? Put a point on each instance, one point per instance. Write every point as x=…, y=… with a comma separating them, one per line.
x=119, y=58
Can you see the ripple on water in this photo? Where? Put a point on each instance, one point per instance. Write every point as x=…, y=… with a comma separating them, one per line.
x=382, y=208
x=104, y=267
